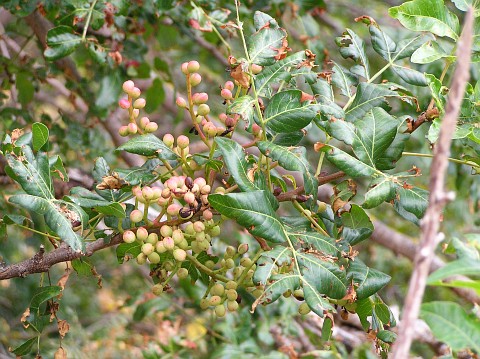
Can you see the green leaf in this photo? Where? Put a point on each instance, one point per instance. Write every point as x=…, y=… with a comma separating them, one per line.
x=112, y=209
x=386, y=336
x=61, y=42
x=411, y=203
x=269, y=261
x=315, y=300
x=243, y=106
x=25, y=348
x=429, y=52
x=82, y=266
x=347, y=163
x=465, y=4
x=285, y=112
x=267, y=43
x=253, y=211
x=357, y=225
x=323, y=276
x=155, y=95
x=279, y=71
x=344, y=79
x=367, y=281
x=148, y=145
x=42, y=294
x=39, y=135
x=459, y=267
x=97, y=52
x=375, y=133
x=317, y=241
x=55, y=213
x=381, y=190
x=123, y=249
x=450, y=324
x=353, y=47
x=427, y=15
x=109, y=90
x=292, y=159
x=57, y=168
x=26, y=88
x=32, y=173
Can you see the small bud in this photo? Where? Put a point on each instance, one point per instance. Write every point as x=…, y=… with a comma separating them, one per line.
x=157, y=193
x=169, y=243
x=139, y=103
x=215, y=231
x=148, y=193
x=193, y=66
x=229, y=85
x=142, y=234
x=207, y=214
x=226, y=94
x=129, y=237
x=144, y=121
x=124, y=103
x=232, y=305
x=166, y=231
x=222, y=117
x=230, y=252
x=147, y=248
x=231, y=294
x=243, y=248
x=135, y=112
x=128, y=86
x=173, y=209
x=132, y=128
x=157, y=289
x=215, y=300
x=123, y=131
x=231, y=285
x=189, y=198
x=256, y=69
x=160, y=247
x=183, y=141
x=217, y=289
x=220, y=311
x=198, y=227
x=181, y=102
x=229, y=263
x=185, y=68
x=141, y=259
x=168, y=139
x=152, y=239
x=179, y=254
x=135, y=92
x=182, y=273
x=203, y=109
x=245, y=262
x=136, y=216
x=195, y=79
x=199, y=98
x=153, y=257
x=177, y=236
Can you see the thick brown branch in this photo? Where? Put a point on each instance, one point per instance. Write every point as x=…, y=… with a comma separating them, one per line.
x=437, y=199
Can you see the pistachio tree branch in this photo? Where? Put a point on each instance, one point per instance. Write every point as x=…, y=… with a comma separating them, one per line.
x=438, y=197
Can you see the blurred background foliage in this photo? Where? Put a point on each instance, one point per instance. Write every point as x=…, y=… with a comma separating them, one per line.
x=113, y=314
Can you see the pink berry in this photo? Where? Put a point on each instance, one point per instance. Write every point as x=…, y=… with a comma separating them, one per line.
x=132, y=128
x=168, y=139
x=185, y=68
x=229, y=85
x=151, y=127
x=142, y=234
x=123, y=131
x=226, y=94
x=195, y=79
x=189, y=197
x=128, y=86
x=135, y=112
x=169, y=243
x=223, y=117
x=124, y=103
x=135, y=92
x=129, y=237
x=144, y=121
x=173, y=209
x=136, y=216
x=183, y=141
x=199, y=98
x=193, y=66
x=181, y=102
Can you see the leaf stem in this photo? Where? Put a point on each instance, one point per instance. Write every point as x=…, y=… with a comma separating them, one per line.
x=309, y=217
x=205, y=269
x=454, y=160
x=89, y=18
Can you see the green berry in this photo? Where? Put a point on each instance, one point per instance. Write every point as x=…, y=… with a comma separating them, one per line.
x=142, y=234
x=245, y=262
x=179, y=254
x=231, y=285
x=204, y=303
x=160, y=247
x=215, y=231
x=203, y=109
x=169, y=243
x=217, y=289
x=166, y=231
x=229, y=263
x=303, y=309
x=153, y=257
x=232, y=305
x=230, y=252
x=210, y=264
x=193, y=66
x=152, y=238
x=177, y=236
x=136, y=216
x=129, y=237
x=231, y=294
x=183, y=244
x=215, y=300
x=220, y=310
x=141, y=259
x=182, y=273
x=243, y=248
x=147, y=248
x=157, y=289
x=169, y=266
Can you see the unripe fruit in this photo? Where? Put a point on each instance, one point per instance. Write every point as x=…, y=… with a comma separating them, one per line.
x=183, y=244
x=232, y=294
x=135, y=112
x=217, y=289
x=177, y=236
x=123, y=131
x=210, y=264
x=203, y=109
x=152, y=239
x=184, y=68
x=124, y=103
x=128, y=86
x=199, y=98
x=139, y=103
x=182, y=273
x=173, y=209
x=196, y=247
x=203, y=245
x=226, y=94
x=215, y=300
x=153, y=257
x=215, y=231
x=166, y=231
x=322, y=207
x=151, y=127
x=232, y=305
x=303, y=309
x=129, y=237
x=160, y=247
x=204, y=303
x=207, y=214
x=136, y=216
x=193, y=66
x=231, y=285
x=132, y=128
x=220, y=190
x=243, y=248
x=220, y=311
x=135, y=92
x=147, y=248
x=200, y=181
x=142, y=234
x=169, y=266
x=205, y=189
x=181, y=102
x=189, y=197
x=169, y=243
x=179, y=254
x=183, y=141
x=141, y=258
x=148, y=193
x=229, y=85
x=256, y=69
x=195, y=79
x=230, y=252
x=308, y=213
x=157, y=289
x=162, y=202
x=198, y=227
x=229, y=263
x=222, y=117
x=144, y=121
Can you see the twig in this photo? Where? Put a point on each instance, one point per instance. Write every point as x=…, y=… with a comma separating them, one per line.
x=427, y=116
x=437, y=199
